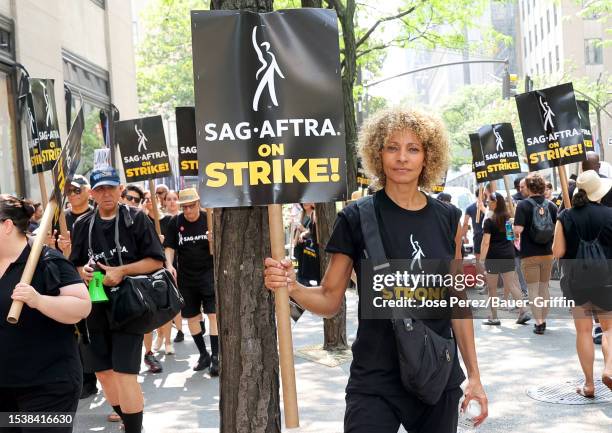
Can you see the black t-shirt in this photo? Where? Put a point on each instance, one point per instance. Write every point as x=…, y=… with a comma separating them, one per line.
x=190, y=243
x=71, y=217
x=375, y=368
x=38, y=350
x=589, y=221
x=137, y=240
x=499, y=246
x=476, y=225
x=523, y=217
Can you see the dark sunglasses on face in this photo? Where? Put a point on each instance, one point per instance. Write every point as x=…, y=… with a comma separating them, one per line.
x=75, y=191
x=133, y=199
x=189, y=206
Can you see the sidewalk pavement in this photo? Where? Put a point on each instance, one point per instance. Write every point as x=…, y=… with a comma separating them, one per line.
x=512, y=359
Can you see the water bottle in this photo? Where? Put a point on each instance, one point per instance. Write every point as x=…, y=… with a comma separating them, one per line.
x=466, y=418
x=509, y=231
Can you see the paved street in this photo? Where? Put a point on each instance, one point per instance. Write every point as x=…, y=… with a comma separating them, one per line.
x=512, y=360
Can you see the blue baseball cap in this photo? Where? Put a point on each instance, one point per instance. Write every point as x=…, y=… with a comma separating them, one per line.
x=106, y=176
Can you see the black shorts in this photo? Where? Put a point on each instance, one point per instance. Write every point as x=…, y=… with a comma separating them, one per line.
x=367, y=413
x=111, y=350
x=499, y=266
x=52, y=397
x=198, y=297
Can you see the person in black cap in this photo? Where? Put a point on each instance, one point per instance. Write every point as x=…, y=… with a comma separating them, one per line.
x=112, y=354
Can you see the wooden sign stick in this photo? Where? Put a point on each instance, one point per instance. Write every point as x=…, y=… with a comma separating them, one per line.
x=30, y=267
x=567, y=202
x=509, y=197
x=283, y=321
x=479, y=201
x=154, y=208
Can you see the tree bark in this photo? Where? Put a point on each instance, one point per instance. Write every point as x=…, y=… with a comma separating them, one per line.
x=249, y=394
x=334, y=329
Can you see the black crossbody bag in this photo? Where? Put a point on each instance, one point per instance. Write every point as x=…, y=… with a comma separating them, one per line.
x=141, y=303
x=425, y=357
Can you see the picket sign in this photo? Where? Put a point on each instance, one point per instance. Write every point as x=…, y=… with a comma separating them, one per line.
x=30, y=267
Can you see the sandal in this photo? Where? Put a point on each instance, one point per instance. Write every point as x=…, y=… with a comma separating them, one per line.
x=607, y=380
x=583, y=393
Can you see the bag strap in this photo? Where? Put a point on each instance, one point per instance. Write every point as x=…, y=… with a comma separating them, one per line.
x=374, y=249
x=569, y=215
x=103, y=240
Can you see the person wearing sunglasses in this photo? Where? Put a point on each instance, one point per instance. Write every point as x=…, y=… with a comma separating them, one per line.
x=160, y=193
x=187, y=237
x=132, y=196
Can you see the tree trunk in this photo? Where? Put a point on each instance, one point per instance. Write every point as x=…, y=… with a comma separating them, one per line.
x=334, y=329
x=346, y=17
x=249, y=394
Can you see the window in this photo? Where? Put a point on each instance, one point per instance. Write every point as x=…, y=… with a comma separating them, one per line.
x=8, y=137
x=530, y=46
x=523, y=10
x=91, y=81
x=548, y=19
x=543, y=65
x=557, y=57
x=535, y=35
x=525, y=45
x=541, y=28
x=7, y=46
x=100, y=3
x=528, y=10
x=593, y=52
x=549, y=62
x=537, y=69
x=555, y=13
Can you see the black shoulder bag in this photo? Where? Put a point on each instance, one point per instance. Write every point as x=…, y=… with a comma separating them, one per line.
x=140, y=303
x=425, y=358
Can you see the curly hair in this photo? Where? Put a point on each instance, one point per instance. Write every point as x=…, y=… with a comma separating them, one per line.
x=535, y=183
x=429, y=129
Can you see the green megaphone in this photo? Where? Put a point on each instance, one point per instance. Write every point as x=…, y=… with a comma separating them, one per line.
x=96, y=289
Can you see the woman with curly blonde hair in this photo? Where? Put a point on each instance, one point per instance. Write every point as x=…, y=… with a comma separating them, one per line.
x=404, y=152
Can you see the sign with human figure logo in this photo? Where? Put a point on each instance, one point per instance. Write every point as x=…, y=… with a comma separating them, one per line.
x=585, y=124
x=45, y=125
x=143, y=148
x=499, y=150
x=551, y=127
x=269, y=117
x=479, y=167
x=186, y=141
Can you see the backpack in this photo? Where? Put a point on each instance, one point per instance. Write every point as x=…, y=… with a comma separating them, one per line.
x=542, y=227
x=590, y=268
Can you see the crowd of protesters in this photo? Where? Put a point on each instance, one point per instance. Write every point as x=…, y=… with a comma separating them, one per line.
x=517, y=240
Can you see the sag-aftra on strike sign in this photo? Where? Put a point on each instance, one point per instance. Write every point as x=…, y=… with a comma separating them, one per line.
x=551, y=127
x=269, y=114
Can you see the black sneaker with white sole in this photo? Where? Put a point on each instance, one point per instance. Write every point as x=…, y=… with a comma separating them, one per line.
x=180, y=337
x=203, y=362
x=214, y=366
x=151, y=361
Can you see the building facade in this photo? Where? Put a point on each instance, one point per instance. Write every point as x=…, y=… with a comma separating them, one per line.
x=86, y=46
x=555, y=41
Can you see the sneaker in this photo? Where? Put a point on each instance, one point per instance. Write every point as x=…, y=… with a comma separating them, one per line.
x=214, y=366
x=523, y=318
x=180, y=337
x=203, y=362
x=152, y=362
x=494, y=322
x=539, y=329
x=597, y=334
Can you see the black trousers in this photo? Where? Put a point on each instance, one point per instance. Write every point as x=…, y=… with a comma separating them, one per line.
x=52, y=397
x=366, y=413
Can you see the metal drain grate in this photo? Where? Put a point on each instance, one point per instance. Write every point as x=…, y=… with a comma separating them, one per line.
x=565, y=393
